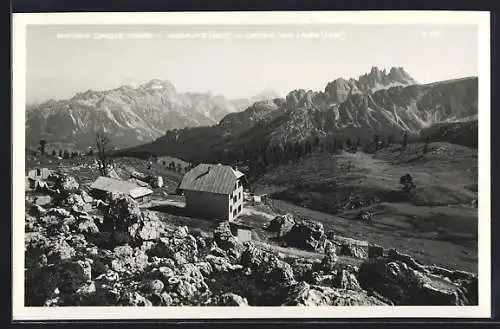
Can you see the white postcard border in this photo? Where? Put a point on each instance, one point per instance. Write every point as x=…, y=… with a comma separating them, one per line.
x=20, y=21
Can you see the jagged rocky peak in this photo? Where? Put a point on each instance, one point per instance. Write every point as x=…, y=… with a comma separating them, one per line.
x=294, y=97
x=376, y=72
x=377, y=78
x=400, y=75
x=338, y=90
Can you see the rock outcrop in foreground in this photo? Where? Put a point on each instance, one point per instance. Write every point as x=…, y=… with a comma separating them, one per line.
x=80, y=251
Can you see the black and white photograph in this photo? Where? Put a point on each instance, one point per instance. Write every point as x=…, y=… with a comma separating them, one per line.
x=251, y=165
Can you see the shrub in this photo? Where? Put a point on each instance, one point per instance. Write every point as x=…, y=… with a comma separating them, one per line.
x=407, y=183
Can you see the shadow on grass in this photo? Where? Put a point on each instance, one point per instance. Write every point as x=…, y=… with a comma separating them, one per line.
x=184, y=214
x=171, y=209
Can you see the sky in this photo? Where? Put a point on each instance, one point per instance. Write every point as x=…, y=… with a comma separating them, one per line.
x=238, y=61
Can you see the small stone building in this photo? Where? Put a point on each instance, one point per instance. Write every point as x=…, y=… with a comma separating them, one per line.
x=103, y=185
x=242, y=232
x=213, y=191
x=37, y=174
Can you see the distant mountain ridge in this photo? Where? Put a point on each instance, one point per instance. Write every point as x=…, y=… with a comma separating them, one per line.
x=381, y=101
x=131, y=116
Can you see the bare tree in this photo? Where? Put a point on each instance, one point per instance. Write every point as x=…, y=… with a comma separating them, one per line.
x=43, y=142
x=103, y=146
x=426, y=145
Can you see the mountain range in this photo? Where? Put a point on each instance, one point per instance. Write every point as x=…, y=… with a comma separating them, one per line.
x=379, y=102
x=130, y=116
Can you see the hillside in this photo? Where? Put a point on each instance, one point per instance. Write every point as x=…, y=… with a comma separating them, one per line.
x=131, y=116
x=461, y=133
x=435, y=224
x=81, y=251
x=344, y=110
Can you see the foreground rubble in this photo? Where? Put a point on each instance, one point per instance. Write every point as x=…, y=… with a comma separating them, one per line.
x=81, y=251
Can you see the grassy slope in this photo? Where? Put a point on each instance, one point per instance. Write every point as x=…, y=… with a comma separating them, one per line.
x=86, y=173
x=437, y=226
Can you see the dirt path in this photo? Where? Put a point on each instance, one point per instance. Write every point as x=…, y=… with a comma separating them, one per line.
x=311, y=255
x=248, y=211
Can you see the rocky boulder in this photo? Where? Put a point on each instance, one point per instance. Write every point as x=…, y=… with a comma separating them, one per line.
x=88, y=226
x=267, y=267
x=225, y=240
x=329, y=261
x=37, y=211
x=129, y=224
x=86, y=197
x=57, y=284
x=65, y=184
x=407, y=259
x=304, y=294
x=59, y=212
x=470, y=289
x=149, y=228
x=31, y=224
x=205, y=268
x=129, y=260
x=35, y=241
x=187, y=286
x=179, y=246
x=353, y=250
x=134, y=299
x=155, y=286
x=452, y=275
x=76, y=202
x=404, y=285
x=221, y=264
x=301, y=268
x=122, y=213
x=306, y=235
x=375, y=251
x=346, y=280
x=42, y=200
x=281, y=224
x=60, y=250
x=229, y=299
